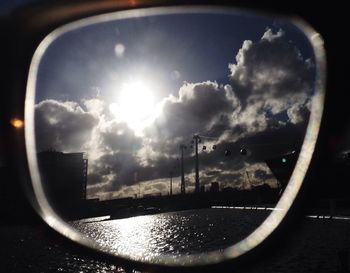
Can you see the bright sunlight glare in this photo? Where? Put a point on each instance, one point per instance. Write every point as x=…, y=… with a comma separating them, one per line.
x=135, y=105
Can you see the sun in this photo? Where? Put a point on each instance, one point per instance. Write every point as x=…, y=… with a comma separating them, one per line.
x=135, y=105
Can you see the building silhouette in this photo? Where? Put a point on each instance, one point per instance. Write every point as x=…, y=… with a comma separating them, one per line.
x=282, y=167
x=64, y=177
x=214, y=187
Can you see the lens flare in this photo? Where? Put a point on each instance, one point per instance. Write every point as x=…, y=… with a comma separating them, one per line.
x=17, y=123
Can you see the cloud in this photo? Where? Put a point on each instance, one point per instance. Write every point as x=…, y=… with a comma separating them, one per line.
x=117, y=168
x=63, y=126
x=197, y=108
x=270, y=76
x=144, y=188
x=116, y=136
x=298, y=113
x=262, y=174
x=94, y=105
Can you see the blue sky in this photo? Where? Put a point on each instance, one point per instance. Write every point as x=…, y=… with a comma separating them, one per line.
x=198, y=46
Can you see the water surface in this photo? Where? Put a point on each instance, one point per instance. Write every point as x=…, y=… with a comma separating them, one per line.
x=176, y=233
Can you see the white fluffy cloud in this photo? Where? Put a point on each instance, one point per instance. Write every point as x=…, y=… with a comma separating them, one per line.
x=271, y=76
x=198, y=108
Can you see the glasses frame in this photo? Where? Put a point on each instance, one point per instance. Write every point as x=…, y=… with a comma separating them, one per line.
x=37, y=197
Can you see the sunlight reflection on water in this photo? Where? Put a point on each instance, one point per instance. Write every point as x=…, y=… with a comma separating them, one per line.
x=175, y=233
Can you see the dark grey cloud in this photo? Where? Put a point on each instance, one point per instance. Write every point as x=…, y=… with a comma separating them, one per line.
x=117, y=168
x=63, y=126
x=224, y=179
x=199, y=107
x=119, y=137
x=122, y=169
x=262, y=175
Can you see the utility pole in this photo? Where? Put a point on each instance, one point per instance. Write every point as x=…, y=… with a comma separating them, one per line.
x=248, y=185
x=196, y=140
x=183, y=189
x=171, y=183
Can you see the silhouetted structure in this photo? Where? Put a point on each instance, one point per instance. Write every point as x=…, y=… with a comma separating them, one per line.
x=214, y=187
x=64, y=176
x=282, y=167
x=171, y=183
x=183, y=187
x=196, y=140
